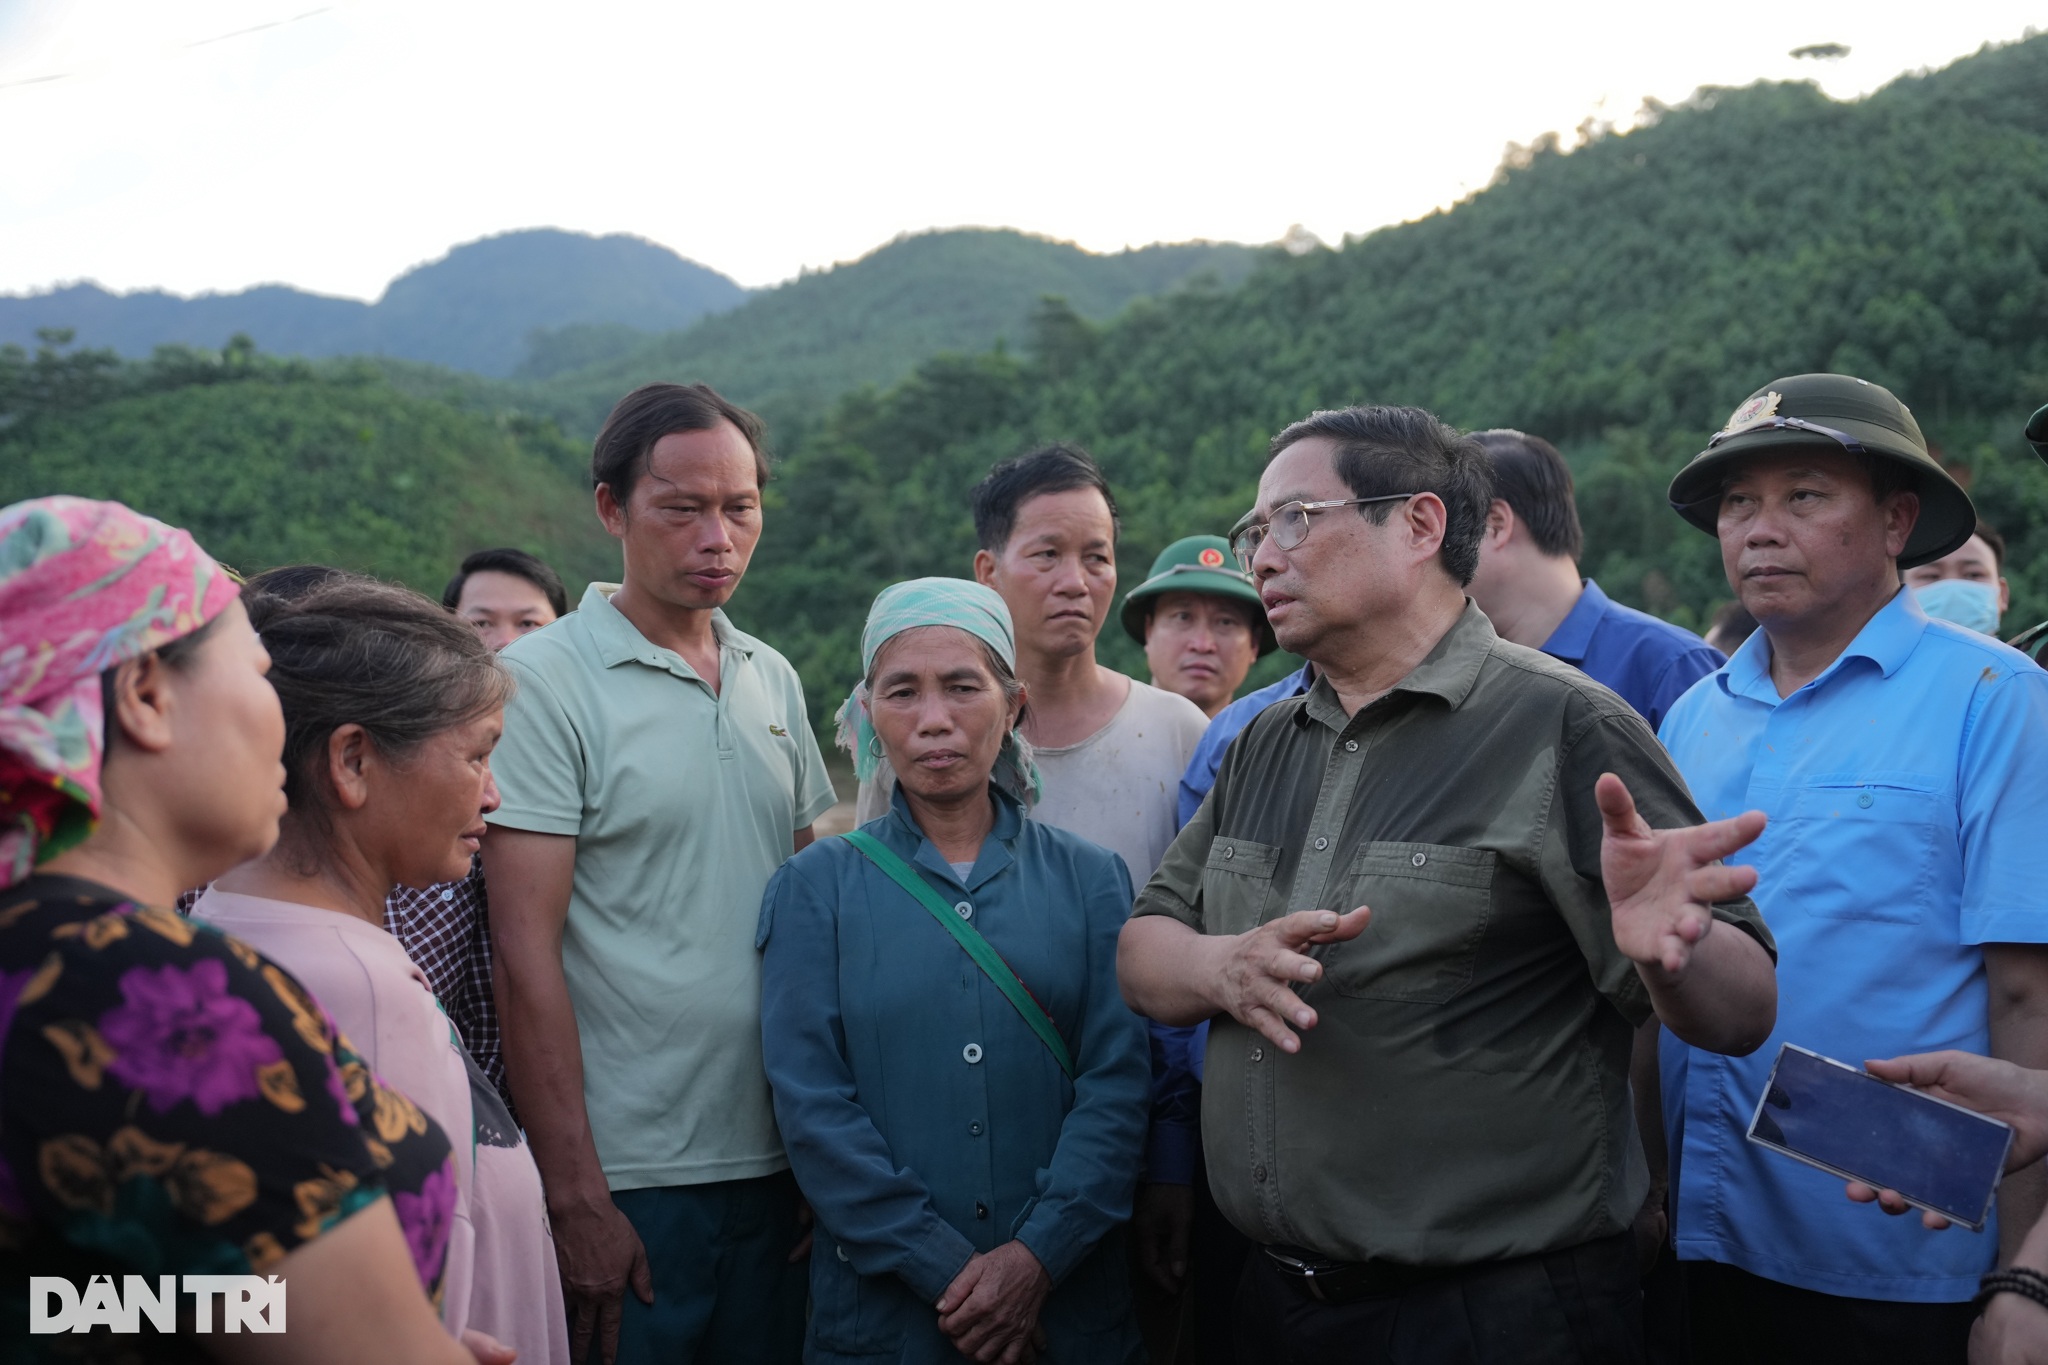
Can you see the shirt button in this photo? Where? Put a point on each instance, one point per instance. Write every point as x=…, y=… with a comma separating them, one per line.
x=974, y=1129
x=980, y=1209
x=1322, y=844
x=449, y=894
x=1259, y=1174
x=1419, y=859
x=1258, y=1054
x=1228, y=854
x=1350, y=746
x=1864, y=799
x=964, y=910
x=842, y=1252
x=971, y=1053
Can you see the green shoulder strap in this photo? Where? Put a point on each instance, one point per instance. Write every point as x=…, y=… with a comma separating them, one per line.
x=984, y=955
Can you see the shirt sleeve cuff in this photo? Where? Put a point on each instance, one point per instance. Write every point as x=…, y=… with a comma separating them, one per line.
x=1056, y=1251
x=533, y=821
x=1155, y=902
x=826, y=801
x=936, y=1262
x=2005, y=924
x=1172, y=1152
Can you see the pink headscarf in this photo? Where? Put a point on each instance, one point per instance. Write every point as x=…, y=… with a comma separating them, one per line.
x=84, y=585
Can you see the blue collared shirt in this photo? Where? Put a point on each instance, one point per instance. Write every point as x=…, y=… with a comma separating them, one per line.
x=924, y=1120
x=1215, y=741
x=1906, y=789
x=1646, y=662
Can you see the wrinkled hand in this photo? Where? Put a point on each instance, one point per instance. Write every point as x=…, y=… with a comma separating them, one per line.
x=486, y=1349
x=599, y=1254
x=1265, y=964
x=990, y=1311
x=1663, y=883
x=1160, y=1219
x=804, y=1221
x=1999, y=1089
x=2013, y=1331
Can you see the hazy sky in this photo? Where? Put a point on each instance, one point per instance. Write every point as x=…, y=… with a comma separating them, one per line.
x=145, y=143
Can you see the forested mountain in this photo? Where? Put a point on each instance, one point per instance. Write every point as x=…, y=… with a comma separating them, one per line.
x=274, y=462
x=1620, y=298
x=471, y=310
x=796, y=347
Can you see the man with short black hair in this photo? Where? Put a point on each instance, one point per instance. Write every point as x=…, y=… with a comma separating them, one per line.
x=1420, y=1108
x=1528, y=584
x=1967, y=585
x=1900, y=762
x=657, y=767
x=505, y=593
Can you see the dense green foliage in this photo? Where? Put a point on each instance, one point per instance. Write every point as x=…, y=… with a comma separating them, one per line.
x=794, y=348
x=1621, y=298
x=473, y=309
x=271, y=462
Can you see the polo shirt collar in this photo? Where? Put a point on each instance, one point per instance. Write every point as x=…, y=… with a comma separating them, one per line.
x=1886, y=640
x=1449, y=671
x=619, y=641
x=1574, y=635
x=995, y=848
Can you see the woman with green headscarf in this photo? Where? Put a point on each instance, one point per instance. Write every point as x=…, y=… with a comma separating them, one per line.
x=960, y=1087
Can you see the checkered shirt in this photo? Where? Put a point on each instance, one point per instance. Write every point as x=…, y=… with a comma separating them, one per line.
x=446, y=931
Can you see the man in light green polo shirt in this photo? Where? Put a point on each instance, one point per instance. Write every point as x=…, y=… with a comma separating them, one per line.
x=656, y=769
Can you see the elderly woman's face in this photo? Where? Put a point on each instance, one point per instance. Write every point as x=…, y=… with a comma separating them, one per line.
x=939, y=711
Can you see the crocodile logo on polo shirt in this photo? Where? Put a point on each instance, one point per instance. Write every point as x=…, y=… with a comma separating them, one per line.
x=777, y=730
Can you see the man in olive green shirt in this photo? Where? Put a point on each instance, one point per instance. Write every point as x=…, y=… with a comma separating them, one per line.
x=1446, y=1168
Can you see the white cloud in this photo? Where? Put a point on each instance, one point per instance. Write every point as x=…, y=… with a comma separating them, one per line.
x=334, y=150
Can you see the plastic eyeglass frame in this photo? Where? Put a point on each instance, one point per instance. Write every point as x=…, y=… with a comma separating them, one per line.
x=1245, y=554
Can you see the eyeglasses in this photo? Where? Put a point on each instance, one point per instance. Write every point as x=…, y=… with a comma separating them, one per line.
x=1289, y=526
x=1841, y=438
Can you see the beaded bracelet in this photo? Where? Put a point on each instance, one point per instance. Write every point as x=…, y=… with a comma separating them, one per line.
x=2028, y=1284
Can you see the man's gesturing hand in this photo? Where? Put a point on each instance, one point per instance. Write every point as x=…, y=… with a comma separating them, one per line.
x=1264, y=966
x=1662, y=883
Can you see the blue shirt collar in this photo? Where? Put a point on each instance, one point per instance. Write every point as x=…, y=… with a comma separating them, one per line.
x=995, y=848
x=1574, y=635
x=1886, y=640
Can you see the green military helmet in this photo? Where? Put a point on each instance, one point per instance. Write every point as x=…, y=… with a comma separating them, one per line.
x=1838, y=412
x=2037, y=432
x=1201, y=564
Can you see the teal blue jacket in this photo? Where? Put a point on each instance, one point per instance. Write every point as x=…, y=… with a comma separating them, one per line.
x=924, y=1120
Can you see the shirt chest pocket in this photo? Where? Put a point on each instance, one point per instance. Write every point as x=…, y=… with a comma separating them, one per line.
x=1430, y=905
x=1862, y=847
x=1237, y=881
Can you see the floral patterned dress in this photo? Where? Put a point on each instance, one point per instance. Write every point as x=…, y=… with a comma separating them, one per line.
x=173, y=1103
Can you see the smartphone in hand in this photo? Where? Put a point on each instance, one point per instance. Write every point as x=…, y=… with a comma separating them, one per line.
x=1938, y=1156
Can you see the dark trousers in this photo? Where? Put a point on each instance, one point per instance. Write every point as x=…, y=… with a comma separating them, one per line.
x=1216, y=1260
x=1578, y=1306
x=1737, y=1318
x=724, y=1290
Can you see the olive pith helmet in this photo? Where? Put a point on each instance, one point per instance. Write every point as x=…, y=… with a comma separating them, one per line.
x=1832, y=412
x=1202, y=564
x=2037, y=432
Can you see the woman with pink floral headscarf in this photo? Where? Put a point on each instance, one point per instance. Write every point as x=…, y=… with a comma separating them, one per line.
x=171, y=1102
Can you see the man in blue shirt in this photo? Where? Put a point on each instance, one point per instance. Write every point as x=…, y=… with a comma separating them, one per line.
x=1900, y=762
x=1528, y=584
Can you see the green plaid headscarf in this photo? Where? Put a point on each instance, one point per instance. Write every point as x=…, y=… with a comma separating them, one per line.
x=964, y=605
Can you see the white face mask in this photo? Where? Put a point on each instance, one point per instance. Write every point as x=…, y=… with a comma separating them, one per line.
x=1973, y=606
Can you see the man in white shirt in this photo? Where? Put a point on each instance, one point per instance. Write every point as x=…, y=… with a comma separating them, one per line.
x=1111, y=749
